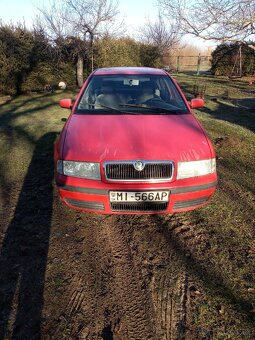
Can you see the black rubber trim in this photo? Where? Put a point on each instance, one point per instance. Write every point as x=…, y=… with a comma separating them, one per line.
x=103, y=192
x=184, y=190
x=83, y=190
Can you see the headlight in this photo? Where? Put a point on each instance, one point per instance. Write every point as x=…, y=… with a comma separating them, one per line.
x=196, y=168
x=79, y=169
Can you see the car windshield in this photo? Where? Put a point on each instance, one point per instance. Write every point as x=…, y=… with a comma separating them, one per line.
x=131, y=94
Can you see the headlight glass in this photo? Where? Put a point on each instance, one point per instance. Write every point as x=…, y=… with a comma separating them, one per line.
x=80, y=169
x=196, y=168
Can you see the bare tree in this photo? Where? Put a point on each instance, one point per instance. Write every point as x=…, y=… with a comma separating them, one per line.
x=164, y=35
x=83, y=19
x=219, y=20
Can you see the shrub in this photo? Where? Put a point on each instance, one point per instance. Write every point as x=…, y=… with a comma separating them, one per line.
x=226, y=55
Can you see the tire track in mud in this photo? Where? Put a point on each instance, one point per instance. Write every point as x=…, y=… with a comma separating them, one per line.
x=91, y=299
x=128, y=281
x=170, y=294
x=169, y=280
x=106, y=299
x=136, y=305
x=183, y=237
x=83, y=292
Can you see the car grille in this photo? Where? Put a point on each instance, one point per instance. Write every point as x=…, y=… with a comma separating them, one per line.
x=85, y=204
x=160, y=171
x=139, y=207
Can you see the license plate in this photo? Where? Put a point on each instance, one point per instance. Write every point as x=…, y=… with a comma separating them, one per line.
x=139, y=196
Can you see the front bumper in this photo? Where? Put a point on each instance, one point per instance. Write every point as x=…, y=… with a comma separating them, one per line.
x=94, y=195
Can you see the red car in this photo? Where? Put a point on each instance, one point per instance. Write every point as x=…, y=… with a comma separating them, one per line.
x=132, y=145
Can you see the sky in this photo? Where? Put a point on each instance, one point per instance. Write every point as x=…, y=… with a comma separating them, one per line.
x=134, y=12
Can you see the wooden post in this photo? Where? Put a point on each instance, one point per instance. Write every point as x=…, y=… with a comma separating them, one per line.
x=92, y=50
x=240, y=56
x=198, y=64
x=177, y=64
x=79, y=70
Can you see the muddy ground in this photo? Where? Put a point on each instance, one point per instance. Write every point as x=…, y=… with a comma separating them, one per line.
x=72, y=275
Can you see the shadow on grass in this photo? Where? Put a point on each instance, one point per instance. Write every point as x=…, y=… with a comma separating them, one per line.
x=237, y=114
x=12, y=133
x=24, y=251
x=222, y=82
x=13, y=109
x=202, y=270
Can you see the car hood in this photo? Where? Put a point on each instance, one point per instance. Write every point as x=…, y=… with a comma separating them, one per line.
x=98, y=138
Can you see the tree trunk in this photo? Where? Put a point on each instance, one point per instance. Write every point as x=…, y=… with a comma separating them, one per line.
x=79, y=70
x=19, y=81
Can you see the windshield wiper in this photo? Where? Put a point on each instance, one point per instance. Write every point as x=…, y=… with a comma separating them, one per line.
x=159, y=109
x=113, y=109
x=140, y=106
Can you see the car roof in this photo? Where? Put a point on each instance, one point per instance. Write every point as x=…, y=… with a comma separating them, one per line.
x=129, y=70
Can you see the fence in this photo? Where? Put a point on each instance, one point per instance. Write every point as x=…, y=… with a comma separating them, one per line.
x=196, y=64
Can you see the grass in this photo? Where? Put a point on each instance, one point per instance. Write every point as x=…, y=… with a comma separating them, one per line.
x=228, y=298
x=23, y=120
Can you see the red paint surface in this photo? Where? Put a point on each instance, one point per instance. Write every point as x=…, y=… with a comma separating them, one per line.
x=97, y=138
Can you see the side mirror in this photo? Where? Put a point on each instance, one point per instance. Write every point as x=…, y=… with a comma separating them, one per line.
x=66, y=103
x=196, y=103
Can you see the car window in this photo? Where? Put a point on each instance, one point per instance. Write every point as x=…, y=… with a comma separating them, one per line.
x=131, y=93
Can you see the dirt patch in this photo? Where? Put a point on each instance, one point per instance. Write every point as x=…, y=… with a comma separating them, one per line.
x=228, y=142
x=121, y=277
x=105, y=298
x=113, y=277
